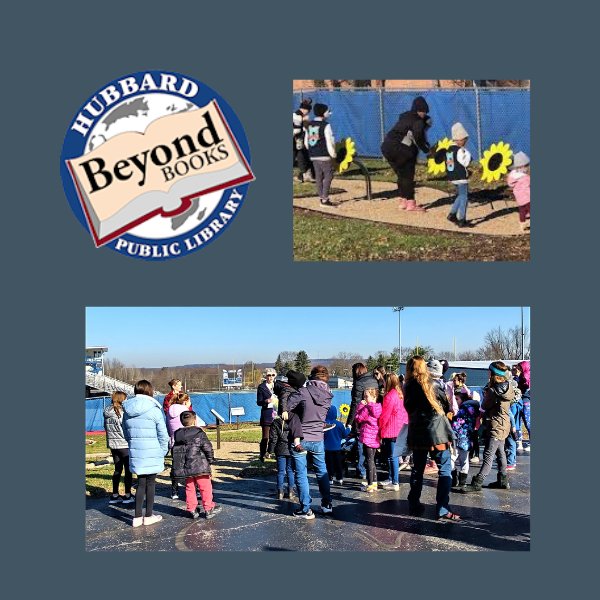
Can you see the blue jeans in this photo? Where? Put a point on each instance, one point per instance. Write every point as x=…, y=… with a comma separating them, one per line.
x=388, y=445
x=317, y=451
x=459, y=208
x=510, y=447
x=443, y=459
x=284, y=463
x=361, y=461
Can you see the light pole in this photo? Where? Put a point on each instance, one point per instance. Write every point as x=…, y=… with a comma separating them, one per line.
x=399, y=310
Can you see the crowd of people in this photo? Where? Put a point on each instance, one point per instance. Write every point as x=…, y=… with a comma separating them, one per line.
x=314, y=149
x=419, y=421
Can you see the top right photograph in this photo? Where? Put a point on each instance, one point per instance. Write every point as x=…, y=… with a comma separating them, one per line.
x=411, y=170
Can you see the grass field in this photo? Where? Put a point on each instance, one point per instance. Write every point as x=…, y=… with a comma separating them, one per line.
x=319, y=237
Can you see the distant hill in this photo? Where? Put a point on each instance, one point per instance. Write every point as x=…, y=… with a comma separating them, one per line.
x=321, y=361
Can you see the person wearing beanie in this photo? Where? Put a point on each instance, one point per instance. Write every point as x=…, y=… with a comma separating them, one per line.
x=520, y=182
x=320, y=144
x=301, y=157
x=401, y=147
x=458, y=159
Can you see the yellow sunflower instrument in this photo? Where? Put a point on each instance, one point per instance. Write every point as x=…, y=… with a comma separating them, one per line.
x=495, y=161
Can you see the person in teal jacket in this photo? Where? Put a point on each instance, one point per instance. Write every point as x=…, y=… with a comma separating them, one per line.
x=146, y=433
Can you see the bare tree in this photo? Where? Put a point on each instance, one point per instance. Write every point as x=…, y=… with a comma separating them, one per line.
x=499, y=344
x=341, y=363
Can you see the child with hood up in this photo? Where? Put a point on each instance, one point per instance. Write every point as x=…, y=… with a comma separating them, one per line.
x=333, y=445
x=519, y=181
x=463, y=424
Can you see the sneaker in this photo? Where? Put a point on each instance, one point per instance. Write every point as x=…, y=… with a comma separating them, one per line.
x=299, y=449
x=403, y=465
x=174, y=495
x=152, y=519
x=364, y=483
x=215, y=510
x=511, y=467
x=527, y=448
x=308, y=514
x=369, y=488
x=474, y=460
x=429, y=470
x=395, y=487
x=327, y=203
x=452, y=218
x=339, y=481
x=520, y=446
x=195, y=514
x=115, y=499
x=129, y=500
x=198, y=494
x=327, y=508
x=137, y=521
x=328, y=426
x=386, y=483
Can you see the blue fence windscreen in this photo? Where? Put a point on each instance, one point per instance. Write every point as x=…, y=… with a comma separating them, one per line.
x=202, y=403
x=367, y=115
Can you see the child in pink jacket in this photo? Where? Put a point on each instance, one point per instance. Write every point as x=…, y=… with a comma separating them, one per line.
x=519, y=181
x=367, y=415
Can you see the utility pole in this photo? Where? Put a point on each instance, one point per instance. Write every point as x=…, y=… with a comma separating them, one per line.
x=399, y=310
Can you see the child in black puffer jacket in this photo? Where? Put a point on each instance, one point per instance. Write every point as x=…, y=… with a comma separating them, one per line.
x=279, y=442
x=192, y=456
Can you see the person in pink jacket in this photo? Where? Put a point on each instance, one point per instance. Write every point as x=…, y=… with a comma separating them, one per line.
x=367, y=415
x=393, y=416
x=519, y=181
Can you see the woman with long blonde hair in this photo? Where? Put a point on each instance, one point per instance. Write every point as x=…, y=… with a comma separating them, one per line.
x=429, y=431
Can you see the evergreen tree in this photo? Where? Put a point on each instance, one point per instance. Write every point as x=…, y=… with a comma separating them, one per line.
x=302, y=363
x=371, y=364
x=279, y=366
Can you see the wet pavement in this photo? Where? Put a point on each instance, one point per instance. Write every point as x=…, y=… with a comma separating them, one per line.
x=253, y=519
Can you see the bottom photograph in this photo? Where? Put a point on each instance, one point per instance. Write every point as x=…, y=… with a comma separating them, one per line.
x=307, y=428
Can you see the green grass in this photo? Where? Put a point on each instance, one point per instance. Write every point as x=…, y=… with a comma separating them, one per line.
x=318, y=238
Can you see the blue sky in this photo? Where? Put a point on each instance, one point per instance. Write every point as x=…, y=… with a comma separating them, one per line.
x=168, y=336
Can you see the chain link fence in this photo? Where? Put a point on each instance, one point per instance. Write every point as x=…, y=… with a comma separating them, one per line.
x=489, y=114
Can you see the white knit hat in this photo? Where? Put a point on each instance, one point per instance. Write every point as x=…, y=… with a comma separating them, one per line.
x=520, y=159
x=459, y=132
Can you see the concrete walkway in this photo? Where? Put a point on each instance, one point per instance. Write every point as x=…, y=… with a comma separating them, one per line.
x=502, y=219
x=253, y=519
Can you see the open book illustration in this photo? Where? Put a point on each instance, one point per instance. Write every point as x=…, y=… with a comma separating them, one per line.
x=134, y=176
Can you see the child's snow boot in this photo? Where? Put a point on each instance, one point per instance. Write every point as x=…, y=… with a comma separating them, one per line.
x=462, y=482
x=475, y=486
x=501, y=483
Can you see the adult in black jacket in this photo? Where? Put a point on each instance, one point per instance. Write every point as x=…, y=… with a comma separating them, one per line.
x=429, y=431
x=301, y=156
x=264, y=398
x=362, y=380
x=401, y=147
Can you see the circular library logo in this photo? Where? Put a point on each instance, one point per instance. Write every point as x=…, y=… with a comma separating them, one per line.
x=155, y=165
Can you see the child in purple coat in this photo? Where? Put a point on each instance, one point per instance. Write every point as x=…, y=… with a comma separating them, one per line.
x=367, y=415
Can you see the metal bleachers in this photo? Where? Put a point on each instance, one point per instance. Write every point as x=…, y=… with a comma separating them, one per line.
x=107, y=384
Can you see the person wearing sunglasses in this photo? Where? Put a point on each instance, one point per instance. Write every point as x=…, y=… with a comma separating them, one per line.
x=265, y=398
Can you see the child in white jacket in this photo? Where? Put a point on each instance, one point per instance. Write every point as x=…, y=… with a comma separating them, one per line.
x=458, y=158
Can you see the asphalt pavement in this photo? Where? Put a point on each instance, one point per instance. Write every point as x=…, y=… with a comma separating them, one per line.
x=254, y=519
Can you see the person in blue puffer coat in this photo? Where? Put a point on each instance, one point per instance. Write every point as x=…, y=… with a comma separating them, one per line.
x=146, y=433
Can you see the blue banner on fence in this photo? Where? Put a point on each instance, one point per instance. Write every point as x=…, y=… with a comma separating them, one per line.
x=202, y=403
x=367, y=115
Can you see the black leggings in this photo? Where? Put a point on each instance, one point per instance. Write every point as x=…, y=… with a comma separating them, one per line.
x=121, y=459
x=404, y=163
x=370, y=463
x=146, y=486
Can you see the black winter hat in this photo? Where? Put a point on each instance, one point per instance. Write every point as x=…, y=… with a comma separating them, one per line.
x=420, y=105
x=295, y=379
x=306, y=103
x=319, y=110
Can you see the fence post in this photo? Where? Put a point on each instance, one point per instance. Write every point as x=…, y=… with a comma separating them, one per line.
x=381, y=117
x=478, y=110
